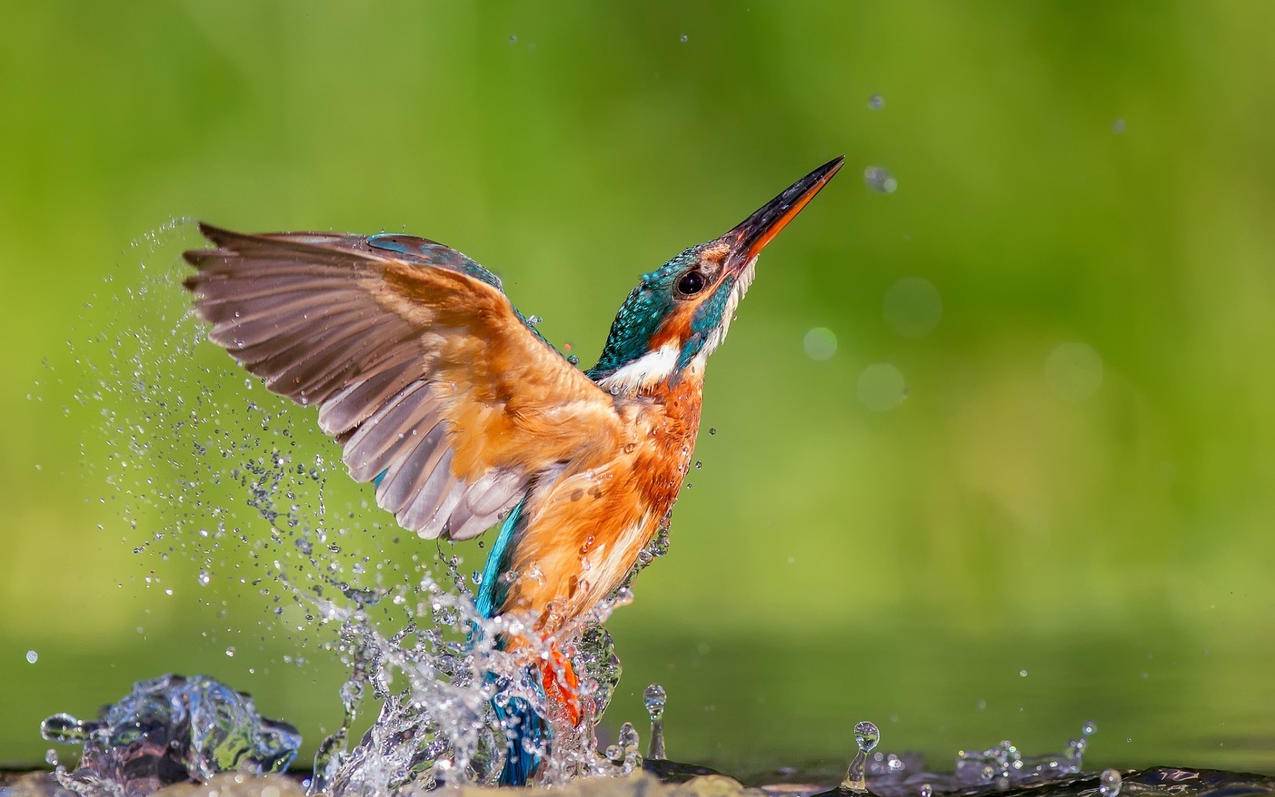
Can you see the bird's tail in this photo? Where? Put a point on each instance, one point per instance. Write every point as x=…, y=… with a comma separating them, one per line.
x=526, y=731
x=526, y=734
x=554, y=681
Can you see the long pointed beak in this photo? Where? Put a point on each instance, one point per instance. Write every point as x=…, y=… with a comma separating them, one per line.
x=752, y=234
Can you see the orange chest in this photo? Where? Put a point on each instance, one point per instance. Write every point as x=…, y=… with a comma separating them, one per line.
x=668, y=427
x=585, y=528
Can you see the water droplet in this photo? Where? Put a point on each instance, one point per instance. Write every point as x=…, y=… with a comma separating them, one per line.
x=820, y=343
x=203, y=578
x=866, y=736
x=1022, y=673
x=876, y=102
x=879, y=179
x=712, y=430
x=684, y=38
x=881, y=387
x=230, y=651
x=926, y=790
x=1074, y=371
x=654, y=698
x=912, y=307
x=573, y=359
x=1109, y=783
x=51, y=757
x=534, y=320
x=513, y=38
x=32, y=657
x=1089, y=728
x=1118, y=126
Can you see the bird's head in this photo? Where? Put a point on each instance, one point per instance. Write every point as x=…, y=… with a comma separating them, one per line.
x=680, y=312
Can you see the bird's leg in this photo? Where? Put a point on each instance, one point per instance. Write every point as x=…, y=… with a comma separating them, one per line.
x=562, y=687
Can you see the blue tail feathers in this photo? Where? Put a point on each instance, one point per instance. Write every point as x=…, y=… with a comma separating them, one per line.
x=527, y=732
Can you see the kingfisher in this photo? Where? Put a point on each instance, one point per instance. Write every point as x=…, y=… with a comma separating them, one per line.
x=464, y=417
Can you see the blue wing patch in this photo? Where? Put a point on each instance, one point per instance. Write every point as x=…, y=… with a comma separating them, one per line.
x=433, y=253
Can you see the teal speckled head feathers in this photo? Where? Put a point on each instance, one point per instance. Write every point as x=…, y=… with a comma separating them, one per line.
x=680, y=312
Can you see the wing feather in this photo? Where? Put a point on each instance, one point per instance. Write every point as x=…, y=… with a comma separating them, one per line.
x=420, y=367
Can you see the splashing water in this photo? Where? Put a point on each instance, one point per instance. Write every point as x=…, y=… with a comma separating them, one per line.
x=206, y=477
x=866, y=736
x=654, y=699
x=168, y=730
x=989, y=771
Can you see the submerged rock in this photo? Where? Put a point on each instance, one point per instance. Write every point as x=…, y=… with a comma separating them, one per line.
x=169, y=730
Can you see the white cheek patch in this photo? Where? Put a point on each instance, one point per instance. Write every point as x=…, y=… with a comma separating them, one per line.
x=651, y=367
x=718, y=335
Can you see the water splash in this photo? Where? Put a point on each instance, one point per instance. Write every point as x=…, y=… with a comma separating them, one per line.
x=168, y=730
x=654, y=698
x=995, y=769
x=866, y=737
x=208, y=478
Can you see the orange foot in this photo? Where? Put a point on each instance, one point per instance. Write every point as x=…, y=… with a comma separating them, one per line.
x=562, y=687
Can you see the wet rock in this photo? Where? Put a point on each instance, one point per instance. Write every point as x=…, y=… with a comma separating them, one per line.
x=234, y=784
x=637, y=784
x=674, y=772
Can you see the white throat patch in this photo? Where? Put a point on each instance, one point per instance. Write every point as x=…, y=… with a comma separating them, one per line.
x=654, y=366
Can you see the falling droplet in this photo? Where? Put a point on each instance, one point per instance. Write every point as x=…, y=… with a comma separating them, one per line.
x=1074, y=370
x=712, y=430
x=879, y=179
x=230, y=651
x=912, y=306
x=684, y=38
x=654, y=698
x=51, y=757
x=1089, y=728
x=881, y=387
x=32, y=657
x=1118, y=126
x=866, y=736
x=876, y=102
x=820, y=343
x=203, y=578
x=1109, y=783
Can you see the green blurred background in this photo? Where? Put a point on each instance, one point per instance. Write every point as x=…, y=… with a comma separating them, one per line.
x=1032, y=485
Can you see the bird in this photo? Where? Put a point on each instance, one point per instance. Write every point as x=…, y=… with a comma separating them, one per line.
x=464, y=417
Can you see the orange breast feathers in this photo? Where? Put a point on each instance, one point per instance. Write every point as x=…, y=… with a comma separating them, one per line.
x=585, y=528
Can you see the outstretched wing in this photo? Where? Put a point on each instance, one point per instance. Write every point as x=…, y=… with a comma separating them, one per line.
x=434, y=384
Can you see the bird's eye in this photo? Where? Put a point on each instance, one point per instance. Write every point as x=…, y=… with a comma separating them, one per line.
x=692, y=282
